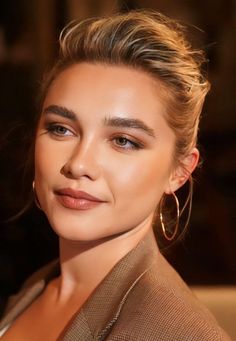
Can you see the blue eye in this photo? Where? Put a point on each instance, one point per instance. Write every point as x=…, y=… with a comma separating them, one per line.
x=59, y=130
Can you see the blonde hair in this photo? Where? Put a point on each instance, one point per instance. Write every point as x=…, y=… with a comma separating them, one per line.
x=153, y=43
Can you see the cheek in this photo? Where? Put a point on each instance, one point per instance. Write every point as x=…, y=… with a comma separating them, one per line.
x=47, y=160
x=140, y=178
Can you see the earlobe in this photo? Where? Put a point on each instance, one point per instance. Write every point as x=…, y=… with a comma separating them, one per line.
x=183, y=171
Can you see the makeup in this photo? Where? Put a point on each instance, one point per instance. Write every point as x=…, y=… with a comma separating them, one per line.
x=76, y=199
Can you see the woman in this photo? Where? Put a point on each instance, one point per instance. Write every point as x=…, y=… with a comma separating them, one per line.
x=116, y=136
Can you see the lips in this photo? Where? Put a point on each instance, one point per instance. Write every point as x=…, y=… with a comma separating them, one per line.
x=77, y=200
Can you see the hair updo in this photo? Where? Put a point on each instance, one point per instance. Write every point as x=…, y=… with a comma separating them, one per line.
x=153, y=43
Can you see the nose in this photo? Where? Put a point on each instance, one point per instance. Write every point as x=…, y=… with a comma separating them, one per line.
x=83, y=162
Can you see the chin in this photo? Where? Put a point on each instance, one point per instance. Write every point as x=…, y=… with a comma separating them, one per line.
x=85, y=231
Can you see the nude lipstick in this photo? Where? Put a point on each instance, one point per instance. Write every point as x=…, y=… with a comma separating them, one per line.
x=77, y=200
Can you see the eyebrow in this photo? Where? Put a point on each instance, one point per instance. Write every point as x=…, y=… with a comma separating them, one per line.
x=129, y=123
x=121, y=122
x=60, y=111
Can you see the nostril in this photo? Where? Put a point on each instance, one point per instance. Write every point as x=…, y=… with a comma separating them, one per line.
x=73, y=169
x=82, y=162
x=66, y=171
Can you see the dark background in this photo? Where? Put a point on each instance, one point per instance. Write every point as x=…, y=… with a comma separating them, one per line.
x=28, y=45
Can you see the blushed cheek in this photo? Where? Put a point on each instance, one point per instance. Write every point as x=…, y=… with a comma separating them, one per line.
x=151, y=183
x=45, y=162
x=141, y=181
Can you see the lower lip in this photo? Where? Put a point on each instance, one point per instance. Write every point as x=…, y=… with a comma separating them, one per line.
x=77, y=204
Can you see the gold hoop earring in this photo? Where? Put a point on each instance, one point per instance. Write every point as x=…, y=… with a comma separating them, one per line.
x=36, y=200
x=164, y=230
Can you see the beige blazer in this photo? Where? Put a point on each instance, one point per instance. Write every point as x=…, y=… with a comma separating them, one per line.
x=142, y=298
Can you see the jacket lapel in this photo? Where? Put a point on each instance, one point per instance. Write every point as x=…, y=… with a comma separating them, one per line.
x=21, y=301
x=101, y=311
x=31, y=289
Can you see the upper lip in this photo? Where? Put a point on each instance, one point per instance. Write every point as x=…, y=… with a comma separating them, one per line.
x=77, y=194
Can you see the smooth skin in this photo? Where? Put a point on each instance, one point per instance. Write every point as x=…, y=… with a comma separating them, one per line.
x=103, y=131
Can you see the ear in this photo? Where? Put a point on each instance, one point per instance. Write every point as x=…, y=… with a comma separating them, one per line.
x=182, y=171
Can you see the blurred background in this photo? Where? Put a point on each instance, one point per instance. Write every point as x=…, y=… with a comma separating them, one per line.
x=28, y=45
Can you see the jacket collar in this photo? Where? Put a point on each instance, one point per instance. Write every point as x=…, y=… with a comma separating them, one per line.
x=31, y=289
x=100, y=312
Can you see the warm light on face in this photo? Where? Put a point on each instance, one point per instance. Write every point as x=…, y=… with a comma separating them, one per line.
x=103, y=132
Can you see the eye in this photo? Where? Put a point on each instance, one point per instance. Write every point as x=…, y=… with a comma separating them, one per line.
x=59, y=130
x=125, y=143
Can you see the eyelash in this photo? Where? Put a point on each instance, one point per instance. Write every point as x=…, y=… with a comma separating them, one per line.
x=53, y=128
x=132, y=144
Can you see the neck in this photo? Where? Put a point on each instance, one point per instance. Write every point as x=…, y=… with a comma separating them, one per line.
x=85, y=264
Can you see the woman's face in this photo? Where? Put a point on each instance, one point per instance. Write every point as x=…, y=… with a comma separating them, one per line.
x=102, y=131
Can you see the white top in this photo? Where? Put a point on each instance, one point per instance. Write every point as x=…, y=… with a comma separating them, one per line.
x=2, y=331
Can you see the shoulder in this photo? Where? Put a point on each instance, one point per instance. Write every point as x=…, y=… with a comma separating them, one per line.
x=162, y=307
x=30, y=289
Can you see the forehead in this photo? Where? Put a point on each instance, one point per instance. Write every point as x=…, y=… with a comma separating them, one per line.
x=111, y=90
